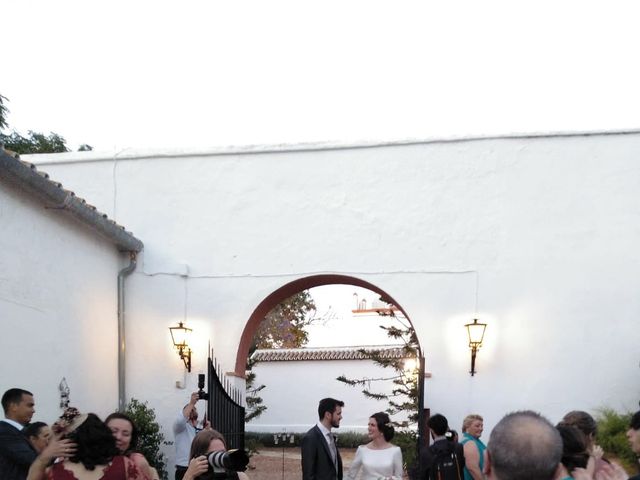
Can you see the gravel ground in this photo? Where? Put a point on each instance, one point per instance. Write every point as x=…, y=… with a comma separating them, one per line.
x=269, y=463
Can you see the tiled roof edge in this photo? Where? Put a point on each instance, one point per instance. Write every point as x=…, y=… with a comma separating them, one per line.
x=26, y=177
x=332, y=353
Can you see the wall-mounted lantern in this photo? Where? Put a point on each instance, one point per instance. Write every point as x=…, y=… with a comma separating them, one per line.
x=475, y=331
x=179, y=336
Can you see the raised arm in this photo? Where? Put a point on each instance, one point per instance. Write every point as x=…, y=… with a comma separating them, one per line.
x=56, y=448
x=197, y=466
x=180, y=424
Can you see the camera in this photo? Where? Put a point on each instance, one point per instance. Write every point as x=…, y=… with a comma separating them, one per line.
x=202, y=395
x=226, y=464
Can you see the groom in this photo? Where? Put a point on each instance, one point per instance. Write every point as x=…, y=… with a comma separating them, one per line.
x=320, y=457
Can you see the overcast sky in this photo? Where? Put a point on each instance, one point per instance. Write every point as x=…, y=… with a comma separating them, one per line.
x=203, y=73
x=339, y=327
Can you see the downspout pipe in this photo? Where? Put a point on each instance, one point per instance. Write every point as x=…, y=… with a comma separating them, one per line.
x=125, y=272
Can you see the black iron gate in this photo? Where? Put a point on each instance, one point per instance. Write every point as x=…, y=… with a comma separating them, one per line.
x=224, y=409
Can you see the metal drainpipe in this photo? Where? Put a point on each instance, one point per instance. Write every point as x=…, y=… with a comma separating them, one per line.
x=121, y=331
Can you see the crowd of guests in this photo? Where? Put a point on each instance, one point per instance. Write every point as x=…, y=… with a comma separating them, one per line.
x=81, y=446
x=522, y=446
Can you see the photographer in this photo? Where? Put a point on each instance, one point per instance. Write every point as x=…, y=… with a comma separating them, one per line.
x=205, y=443
x=184, y=430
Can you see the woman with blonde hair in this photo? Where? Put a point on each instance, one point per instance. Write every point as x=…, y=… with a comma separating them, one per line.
x=474, y=449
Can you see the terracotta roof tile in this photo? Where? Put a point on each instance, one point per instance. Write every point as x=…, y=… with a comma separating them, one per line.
x=17, y=172
x=326, y=353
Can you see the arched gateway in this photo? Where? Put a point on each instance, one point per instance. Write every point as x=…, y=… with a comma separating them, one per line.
x=290, y=289
x=305, y=283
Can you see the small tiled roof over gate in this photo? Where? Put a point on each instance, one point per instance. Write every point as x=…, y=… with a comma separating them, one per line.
x=327, y=353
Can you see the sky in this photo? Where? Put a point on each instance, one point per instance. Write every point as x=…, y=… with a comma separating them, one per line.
x=198, y=74
x=337, y=326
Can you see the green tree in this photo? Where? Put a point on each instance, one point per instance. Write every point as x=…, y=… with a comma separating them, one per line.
x=255, y=405
x=612, y=436
x=283, y=327
x=150, y=435
x=404, y=395
x=34, y=143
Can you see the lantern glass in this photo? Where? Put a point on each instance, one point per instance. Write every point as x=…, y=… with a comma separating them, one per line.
x=180, y=335
x=475, y=331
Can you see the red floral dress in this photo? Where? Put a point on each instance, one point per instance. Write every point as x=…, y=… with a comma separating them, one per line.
x=120, y=468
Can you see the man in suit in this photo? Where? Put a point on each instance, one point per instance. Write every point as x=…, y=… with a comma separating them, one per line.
x=16, y=453
x=320, y=457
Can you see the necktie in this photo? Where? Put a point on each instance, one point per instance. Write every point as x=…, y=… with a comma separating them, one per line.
x=333, y=449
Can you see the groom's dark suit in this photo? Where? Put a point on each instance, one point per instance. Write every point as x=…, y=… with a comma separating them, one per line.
x=16, y=453
x=317, y=463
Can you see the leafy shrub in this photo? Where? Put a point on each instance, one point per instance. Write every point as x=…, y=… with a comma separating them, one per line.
x=256, y=440
x=407, y=441
x=150, y=436
x=612, y=428
x=352, y=439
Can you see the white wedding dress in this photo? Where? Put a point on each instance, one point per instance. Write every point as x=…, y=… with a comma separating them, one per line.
x=376, y=464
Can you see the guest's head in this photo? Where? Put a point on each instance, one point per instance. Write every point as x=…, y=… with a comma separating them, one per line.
x=380, y=425
x=95, y=442
x=38, y=434
x=206, y=441
x=124, y=431
x=633, y=434
x=330, y=412
x=583, y=422
x=473, y=425
x=574, y=447
x=18, y=405
x=438, y=425
x=523, y=446
x=209, y=440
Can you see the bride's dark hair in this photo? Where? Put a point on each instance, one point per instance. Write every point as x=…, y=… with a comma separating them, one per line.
x=384, y=425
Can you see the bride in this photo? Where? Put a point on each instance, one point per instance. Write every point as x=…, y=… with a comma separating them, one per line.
x=378, y=459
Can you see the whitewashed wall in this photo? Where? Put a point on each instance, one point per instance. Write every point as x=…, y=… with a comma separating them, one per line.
x=306, y=382
x=544, y=232
x=58, y=308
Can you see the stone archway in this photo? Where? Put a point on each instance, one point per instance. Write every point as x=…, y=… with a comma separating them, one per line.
x=290, y=289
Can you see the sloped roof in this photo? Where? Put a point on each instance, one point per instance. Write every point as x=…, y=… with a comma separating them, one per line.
x=25, y=177
x=326, y=353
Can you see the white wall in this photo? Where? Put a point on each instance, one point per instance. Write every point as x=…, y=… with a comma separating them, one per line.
x=58, y=308
x=293, y=389
x=543, y=231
